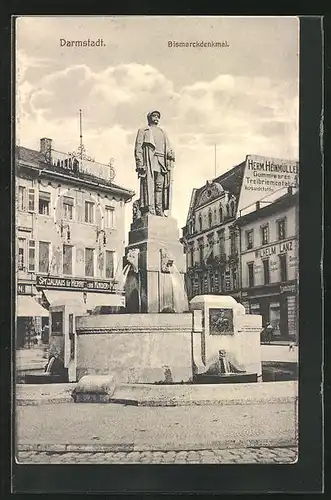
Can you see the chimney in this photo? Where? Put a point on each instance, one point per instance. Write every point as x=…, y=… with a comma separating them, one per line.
x=258, y=205
x=290, y=190
x=46, y=147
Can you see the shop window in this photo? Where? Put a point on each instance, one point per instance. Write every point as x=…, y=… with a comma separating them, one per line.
x=249, y=239
x=68, y=208
x=44, y=203
x=110, y=264
x=250, y=268
x=89, y=262
x=266, y=271
x=67, y=259
x=265, y=235
x=57, y=323
x=283, y=267
x=281, y=229
x=89, y=212
x=21, y=254
x=110, y=217
x=21, y=198
x=31, y=200
x=44, y=256
x=32, y=256
x=255, y=308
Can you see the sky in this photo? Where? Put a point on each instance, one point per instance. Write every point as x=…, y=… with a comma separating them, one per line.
x=243, y=98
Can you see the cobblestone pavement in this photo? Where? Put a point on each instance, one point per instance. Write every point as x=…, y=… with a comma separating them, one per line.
x=239, y=455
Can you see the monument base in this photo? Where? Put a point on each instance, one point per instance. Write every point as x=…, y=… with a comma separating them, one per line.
x=158, y=283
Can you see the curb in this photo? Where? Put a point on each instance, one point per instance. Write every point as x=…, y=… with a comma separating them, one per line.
x=131, y=447
x=163, y=403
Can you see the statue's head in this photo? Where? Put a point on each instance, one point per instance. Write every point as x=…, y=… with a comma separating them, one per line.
x=153, y=117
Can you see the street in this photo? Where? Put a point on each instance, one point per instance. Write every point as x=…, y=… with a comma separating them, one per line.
x=216, y=456
x=112, y=428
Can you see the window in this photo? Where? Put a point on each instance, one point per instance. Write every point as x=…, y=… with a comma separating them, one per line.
x=266, y=273
x=211, y=246
x=283, y=267
x=21, y=254
x=89, y=261
x=201, y=284
x=43, y=257
x=281, y=229
x=249, y=239
x=57, y=323
x=21, y=198
x=32, y=256
x=67, y=259
x=200, y=222
x=68, y=207
x=250, y=267
x=221, y=213
x=234, y=278
x=89, y=212
x=110, y=217
x=221, y=237
x=201, y=251
x=31, y=200
x=44, y=203
x=193, y=224
x=191, y=253
x=265, y=235
x=232, y=208
x=110, y=264
x=210, y=218
x=233, y=242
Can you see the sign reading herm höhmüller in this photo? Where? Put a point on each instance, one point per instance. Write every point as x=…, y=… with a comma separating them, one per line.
x=73, y=284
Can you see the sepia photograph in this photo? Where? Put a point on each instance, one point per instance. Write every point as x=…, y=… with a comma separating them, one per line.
x=156, y=240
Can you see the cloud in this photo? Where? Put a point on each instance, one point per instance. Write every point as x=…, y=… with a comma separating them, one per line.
x=241, y=115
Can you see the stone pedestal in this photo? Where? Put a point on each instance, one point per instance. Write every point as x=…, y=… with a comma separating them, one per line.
x=161, y=263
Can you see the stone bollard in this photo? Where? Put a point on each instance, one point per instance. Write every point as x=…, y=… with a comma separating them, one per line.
x=94, y=389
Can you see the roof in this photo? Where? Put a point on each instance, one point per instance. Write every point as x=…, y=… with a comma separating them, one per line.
x=230, y=181
x=285, y=201
x=35, y=159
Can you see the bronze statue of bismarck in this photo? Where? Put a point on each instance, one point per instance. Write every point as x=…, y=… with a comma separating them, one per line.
x=154, y=158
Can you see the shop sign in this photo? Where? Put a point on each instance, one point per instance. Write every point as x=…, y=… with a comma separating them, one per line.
x=73, y=284
x=23, y=289
x=288, y=288
x=264, y=176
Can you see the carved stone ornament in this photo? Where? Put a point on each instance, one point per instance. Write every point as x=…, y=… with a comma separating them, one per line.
x=211, y=191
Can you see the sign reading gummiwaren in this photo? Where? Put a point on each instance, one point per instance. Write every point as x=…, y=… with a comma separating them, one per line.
x=263, y=176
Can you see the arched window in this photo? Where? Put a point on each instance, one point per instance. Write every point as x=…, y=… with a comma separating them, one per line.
x=221, y=213
x=193, y=224
x=200, y=221
x=232, y=208
x=210, y=218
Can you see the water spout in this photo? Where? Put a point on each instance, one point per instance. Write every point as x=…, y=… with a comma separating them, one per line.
x=179, y=293
x=121, y=277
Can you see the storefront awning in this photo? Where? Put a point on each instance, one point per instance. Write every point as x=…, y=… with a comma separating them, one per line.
x=27, y=306
x=59, y=297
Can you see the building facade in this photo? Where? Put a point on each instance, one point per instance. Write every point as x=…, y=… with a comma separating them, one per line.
x=70, y=233
x=211, y=238
x=269, y=249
